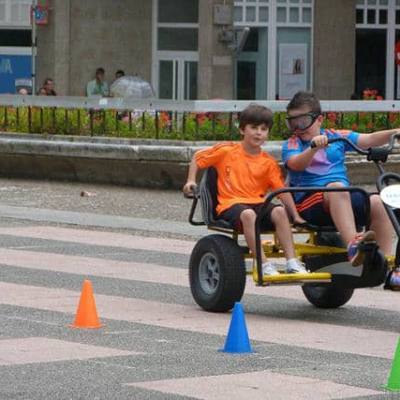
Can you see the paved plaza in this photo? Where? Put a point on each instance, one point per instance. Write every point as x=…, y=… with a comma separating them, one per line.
x=155, y=343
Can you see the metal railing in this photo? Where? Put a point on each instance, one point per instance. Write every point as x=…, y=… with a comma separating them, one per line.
x=162, y=119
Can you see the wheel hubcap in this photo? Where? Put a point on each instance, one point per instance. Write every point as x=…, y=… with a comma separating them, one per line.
x=209, y=275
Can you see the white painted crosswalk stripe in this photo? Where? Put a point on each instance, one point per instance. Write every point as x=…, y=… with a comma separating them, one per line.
x=37, y=350
x=261, y=385
x=99, y=238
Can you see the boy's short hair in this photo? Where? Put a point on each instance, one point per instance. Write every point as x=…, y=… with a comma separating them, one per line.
x=301, y=99
x=100, y=71
x=256, y=114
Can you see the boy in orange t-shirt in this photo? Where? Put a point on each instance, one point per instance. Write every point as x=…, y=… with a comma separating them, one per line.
x=245, y=174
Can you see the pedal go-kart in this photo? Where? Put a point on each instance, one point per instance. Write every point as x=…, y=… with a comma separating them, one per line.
x=217, y=268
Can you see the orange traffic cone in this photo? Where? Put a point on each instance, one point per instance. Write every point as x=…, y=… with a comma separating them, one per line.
x=86, y=314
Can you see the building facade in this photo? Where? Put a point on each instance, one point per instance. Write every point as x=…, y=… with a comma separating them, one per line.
x=205, y=49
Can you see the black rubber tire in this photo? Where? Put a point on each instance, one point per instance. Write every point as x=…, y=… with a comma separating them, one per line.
x=329, y=295
x=217, y=273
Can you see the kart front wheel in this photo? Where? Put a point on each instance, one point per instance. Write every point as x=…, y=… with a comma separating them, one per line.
x=217, y=273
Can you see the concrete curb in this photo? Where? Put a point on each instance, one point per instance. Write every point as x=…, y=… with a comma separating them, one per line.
x=145, y=163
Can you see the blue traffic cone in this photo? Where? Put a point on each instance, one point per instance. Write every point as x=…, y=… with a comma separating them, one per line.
x=237, y=340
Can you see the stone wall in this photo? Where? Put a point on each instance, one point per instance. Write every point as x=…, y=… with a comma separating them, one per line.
x=153, y=164
x=84, y=35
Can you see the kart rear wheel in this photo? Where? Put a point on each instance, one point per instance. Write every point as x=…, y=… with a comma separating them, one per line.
x=327, y=295
x=217, y=273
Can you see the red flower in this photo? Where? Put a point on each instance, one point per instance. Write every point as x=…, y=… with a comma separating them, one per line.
x=331, y=116
x=164, y=119
x=392, y=117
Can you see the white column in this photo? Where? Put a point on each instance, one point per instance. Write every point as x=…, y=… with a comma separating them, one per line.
x=154, y=61
x=272, y=46
x=390, y=43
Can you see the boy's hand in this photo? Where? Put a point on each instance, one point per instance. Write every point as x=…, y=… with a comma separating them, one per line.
x=188, y=187
x=319, y=142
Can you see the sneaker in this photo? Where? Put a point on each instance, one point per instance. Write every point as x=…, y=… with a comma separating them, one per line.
x=393, y=280
x=294, y=266
x=356, y=256
x=269, y=269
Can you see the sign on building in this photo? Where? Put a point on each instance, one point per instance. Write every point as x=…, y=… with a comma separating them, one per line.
x=15, y=64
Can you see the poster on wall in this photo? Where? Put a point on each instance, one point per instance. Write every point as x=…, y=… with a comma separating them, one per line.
x=292, y=69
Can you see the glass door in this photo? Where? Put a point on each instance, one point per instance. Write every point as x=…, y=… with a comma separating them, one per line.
x=371, y=60
x=252, y=66
x=177, y=79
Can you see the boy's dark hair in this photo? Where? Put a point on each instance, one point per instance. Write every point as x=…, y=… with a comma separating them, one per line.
x=301, y=99
x=255, y=114
x=120, y=72
x=100, y=71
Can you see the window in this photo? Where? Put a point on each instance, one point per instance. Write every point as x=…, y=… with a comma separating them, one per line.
x=15, y=13
x=257, y=12
x=176, y=49
x=15, y=38
x=372, y=12
x=178, y=11
x=277, y=29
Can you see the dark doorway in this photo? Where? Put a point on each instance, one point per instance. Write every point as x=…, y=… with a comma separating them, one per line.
x=246, y=80
x=371, y=60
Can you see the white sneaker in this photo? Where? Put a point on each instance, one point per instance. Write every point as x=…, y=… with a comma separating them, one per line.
x=294, y=266
x=269, y=269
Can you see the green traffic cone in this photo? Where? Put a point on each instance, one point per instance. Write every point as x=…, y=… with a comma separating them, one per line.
x=393, y=383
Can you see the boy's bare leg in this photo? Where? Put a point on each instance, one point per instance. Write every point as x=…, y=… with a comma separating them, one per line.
x=380, y=223
x=341, y=211
x=284, y=231
x=248, y=219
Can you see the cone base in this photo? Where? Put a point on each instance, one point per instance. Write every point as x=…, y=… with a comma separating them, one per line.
x=236, y=352
x=85, y=327
x=390, y=389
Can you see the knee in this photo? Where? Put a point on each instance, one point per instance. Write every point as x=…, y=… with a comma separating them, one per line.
x=335, y=185
x=337, y=195
x=376, y=203
x=278, y=215
x=248, y=216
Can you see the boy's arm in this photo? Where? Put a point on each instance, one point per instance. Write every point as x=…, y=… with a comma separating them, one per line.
x=288, y=202
x=379, y=138
x=301, y=161
x=191, y=178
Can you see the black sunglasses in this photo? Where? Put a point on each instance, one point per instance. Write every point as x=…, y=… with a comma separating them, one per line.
x=301, y=122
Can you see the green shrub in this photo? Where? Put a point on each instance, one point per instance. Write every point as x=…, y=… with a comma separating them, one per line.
x=167, y=125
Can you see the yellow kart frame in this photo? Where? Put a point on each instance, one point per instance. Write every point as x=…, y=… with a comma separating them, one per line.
x=217, y=269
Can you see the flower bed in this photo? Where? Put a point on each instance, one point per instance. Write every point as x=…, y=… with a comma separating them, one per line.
x=167, y=125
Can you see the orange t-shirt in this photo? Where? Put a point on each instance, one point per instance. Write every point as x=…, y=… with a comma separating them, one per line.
x=242, y=177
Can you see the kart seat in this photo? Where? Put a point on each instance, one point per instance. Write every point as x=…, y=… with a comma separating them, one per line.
x=209, y=200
